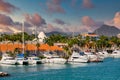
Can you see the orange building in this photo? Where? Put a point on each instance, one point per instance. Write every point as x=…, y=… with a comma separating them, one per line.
x=29, y=47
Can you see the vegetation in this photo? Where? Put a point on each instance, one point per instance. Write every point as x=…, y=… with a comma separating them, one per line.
x=91, y=43
x=16, y=37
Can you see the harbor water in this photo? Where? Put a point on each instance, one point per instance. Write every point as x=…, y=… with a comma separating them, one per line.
x=107, y=70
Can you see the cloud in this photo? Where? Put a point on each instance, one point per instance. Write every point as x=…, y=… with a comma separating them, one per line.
x=51, y=28
x=26, y=24
x=7, y=25
x=87, y=4
x=7, y=7
x=35, y=20
x=116, y=20
x=88, y=21
x=54, y=6
x=5, y=20
x=4, y=29
x=78, y=29
x=90, y=24
x=60, y=22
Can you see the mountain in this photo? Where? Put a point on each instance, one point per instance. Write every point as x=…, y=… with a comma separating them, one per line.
x=55, y=32
x=107, y=30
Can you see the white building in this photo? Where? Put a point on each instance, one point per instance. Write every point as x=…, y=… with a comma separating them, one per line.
x=118, y=35
x=41, y=37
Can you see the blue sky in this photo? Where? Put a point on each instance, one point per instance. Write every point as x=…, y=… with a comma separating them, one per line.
x=66, y=14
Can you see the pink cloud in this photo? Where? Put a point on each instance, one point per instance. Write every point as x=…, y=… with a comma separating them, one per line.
x=50, y=28
x=87, y=4
x=7, y=25
x=79, y=29
x=59, y=21
x=90, y=24
x=35, y=19
x=4, y=29
x=116, y=20
x=7, y=7
x=5, y=20
x=88, y=21
x=54, y=6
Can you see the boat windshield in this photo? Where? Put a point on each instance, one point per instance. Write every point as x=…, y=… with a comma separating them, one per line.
x=36, y=59
x=55, y=57
x=82, y=53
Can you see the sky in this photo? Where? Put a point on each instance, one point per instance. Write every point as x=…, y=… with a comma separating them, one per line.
x=58, y=15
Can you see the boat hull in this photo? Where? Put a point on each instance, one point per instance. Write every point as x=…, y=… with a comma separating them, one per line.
x=35, y=62
x=8, y=62
x=54, y=60
x=22, y=62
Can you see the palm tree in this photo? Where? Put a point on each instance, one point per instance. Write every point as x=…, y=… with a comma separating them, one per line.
x=38, y=45
x=87, y=42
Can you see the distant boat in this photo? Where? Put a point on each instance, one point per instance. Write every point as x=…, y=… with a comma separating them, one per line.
x=6, y=59
x=104, y=54
x=34, y=60
x=94, y=57
x=115, y=54
x=76, y=57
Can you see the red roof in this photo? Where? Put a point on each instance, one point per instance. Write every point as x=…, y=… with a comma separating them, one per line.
x=12, y=47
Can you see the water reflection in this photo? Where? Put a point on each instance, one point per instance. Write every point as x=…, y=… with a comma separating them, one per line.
x=36, y=68
x=75, y=65
x=54, y=66
x=30, y=68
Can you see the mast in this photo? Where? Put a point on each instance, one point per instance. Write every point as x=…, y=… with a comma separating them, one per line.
x=35, y=35
x=23, y=37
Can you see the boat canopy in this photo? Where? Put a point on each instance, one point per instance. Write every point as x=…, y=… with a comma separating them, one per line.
x=20, y=55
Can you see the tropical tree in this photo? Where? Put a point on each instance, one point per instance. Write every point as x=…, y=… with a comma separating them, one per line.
x=55, y=38
x=37, y=45
x=114, y=41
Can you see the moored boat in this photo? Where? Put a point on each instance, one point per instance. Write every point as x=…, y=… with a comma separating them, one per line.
x=34, y=60
x=104, y=54
x=6, y=59
x=115, y=54
x=76, y=57
x=94, y=57
x=21, y=60
x=53, y=59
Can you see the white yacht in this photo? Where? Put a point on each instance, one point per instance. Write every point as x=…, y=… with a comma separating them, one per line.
x=78, y=58
x=6, y=59
x=53, y=59
x=115, y=54
x=21, y=61
x=104, y=54
x=94, y=57
x=34, y=60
